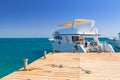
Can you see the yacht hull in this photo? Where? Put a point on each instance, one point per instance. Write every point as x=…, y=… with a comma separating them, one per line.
x=66, y=47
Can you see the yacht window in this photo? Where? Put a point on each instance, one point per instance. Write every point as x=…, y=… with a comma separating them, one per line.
x=75, y=38
x=58, y=37
x=55, y=37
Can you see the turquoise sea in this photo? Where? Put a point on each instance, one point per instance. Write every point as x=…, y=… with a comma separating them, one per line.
x=14, y=50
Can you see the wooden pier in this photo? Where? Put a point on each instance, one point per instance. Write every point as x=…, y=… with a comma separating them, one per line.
x=71, y=66
x=57, y=66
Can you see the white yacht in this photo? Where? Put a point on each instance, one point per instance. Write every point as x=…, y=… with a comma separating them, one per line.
x=73, y=38
x=117, y=41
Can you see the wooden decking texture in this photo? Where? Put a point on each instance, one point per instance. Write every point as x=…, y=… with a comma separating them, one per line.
x=57, y=66
x=72, y=66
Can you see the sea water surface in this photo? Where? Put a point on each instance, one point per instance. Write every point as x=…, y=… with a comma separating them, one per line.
x=14, y=50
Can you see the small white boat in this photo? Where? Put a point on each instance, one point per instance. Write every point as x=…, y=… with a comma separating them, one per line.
x=72, y=38
x=117, y=41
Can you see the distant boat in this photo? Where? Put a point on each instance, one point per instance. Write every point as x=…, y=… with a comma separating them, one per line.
x=72, y=38
x=117, y=41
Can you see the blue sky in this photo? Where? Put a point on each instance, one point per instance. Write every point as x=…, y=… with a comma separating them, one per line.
x=39, y=18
